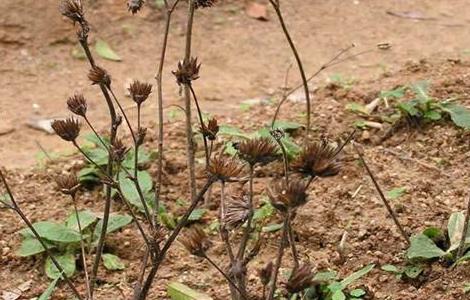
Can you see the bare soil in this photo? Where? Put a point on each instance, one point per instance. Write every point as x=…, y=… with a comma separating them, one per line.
x=243, y=59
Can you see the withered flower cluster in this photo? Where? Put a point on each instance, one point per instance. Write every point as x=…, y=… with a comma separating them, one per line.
x=135, y=5
x=264, y=273
x=77, y=104
x=68, y=183
x=118, y=150
x=73, y=10
x=258, y=151
x=188, y=70
x=210, y=130
x=287, y=196
x=98, y=75
x=224, y=168
x=140, y=91
x=300, y=279
x=237, y=210
x=67, y=129
x=204, y=3
x=195, y=241
x=318, y=159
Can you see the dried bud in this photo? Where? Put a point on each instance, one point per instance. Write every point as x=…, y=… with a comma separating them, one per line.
x=98, y=75
x=118, y=150
x=188, y=70
x=258, y=150
x=237, y=210
x=140, y=91
x=135, y=5
x=204, y=3
x=67, y=129
x=318, y=159
x=210, y=130
x=73, y=10
x=68, y=184
x=300, y=279
x=195, y=241
x=77, y=104
x=141, y=135
x=264, y=273
x=224, y=168
x=284, y=197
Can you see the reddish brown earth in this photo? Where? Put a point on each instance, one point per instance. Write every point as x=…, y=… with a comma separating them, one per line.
x=242, y=59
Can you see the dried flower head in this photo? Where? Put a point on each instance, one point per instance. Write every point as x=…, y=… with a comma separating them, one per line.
x=318, y=159
x=188, y=70
x=224, y=168
x=73, y=10
x=141, y=135
x=118, y=150
x=264, y=273
x=236, y=210
x=287, y=196
x=258, y=150
x=210, y=130
x=300, y=279
x=77, y=104
x=68, y=184
x=204, y=3
x=140, y=91
x=67, y=129
x=98, y=75
x=195, y=241
x=135, y=5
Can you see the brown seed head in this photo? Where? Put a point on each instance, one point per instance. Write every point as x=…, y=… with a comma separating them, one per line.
x=141, y=135
x=284, y=197
x=300, y=279
x=68, y=184
x=140, y=91
x=317, y=159
x=73, y=10
x=188, y=70
x=224, y=168
x=135, y=5
x=77, y=104
x=258, y=150
x=195, y=241
x=67, y=129
x=118, y=150
x=98, y=75
x=210, y=130
x=237, y=210
x=204, y=3
x=264, y=273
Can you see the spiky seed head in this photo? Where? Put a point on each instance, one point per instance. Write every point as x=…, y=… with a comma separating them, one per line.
x=118, y=150
x=317, y=159
x=236, y=210
x=141, y=134
x=67, y=129
x=224, y=168
x=204, y=3
x=140, y=91
x=210, y=130
x=258, y=151
x=77, y=104
x=285, y=196
x=195, y=241
x=68, y=183
x=135, y=5
x=300, y=279
x=188, y=70
x=98, y=75
x=264, y=273
x=73, y=10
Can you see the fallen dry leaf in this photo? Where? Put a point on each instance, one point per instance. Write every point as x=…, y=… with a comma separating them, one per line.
x=257, y=11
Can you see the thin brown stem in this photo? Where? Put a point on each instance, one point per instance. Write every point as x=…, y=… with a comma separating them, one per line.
x=201, y=121
x=280, y=253
x=381, y=194
x=223, y=230
x=246, y=233
x=461, y=249
x=96, y=133
x=295, y=254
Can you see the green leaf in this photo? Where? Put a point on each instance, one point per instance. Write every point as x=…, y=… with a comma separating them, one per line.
x=31, y=246
x=48, y=292
x=264, y=212
x=357, y=293
x=466, y=288
x=66, y=261
x=88, y=174
x=105, y=51
x=413, y=271
x=356, y=275
x=144, y=157
x=98, y=155
x=395, y=193
x=390, y=268
x=433, y=115
x=85, y=217
x=230, y=149
x=272, y=227
x=53, y=232
x=115, y=222
x=423, y=247
x=287, y=126
x=421, y=88
x=325, y=276
x=338, y=295
x=357, y=108
x=459, y=114
x=454, y=229
x=433, y=232
x=409, y=108
x=197, y=214
x=232, y=131
x=463, y=258
x=129, y=189
x=92, y=138
x=112, y=262
x=5, y=198
x=396, y=93
x=179, y=291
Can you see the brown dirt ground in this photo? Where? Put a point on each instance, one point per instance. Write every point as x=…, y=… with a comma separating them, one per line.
x=244, y=61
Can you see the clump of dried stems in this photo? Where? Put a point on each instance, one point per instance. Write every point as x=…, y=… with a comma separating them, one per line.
x=236, y=209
